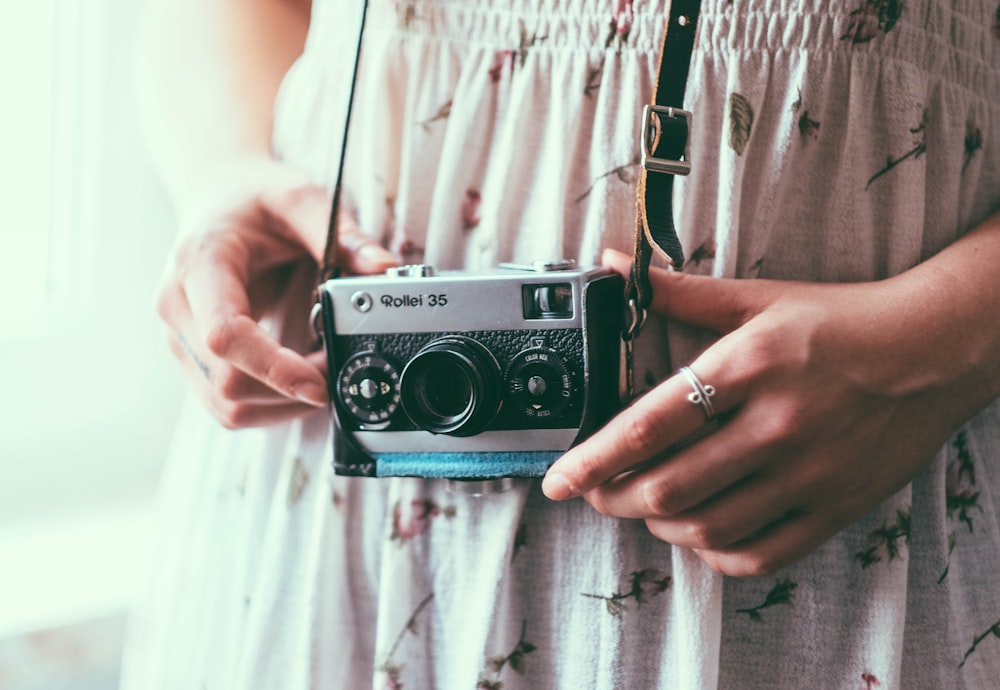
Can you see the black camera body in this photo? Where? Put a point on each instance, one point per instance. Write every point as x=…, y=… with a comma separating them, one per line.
x=470, y=375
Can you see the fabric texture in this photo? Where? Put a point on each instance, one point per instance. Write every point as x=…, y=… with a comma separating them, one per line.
x=833, y=140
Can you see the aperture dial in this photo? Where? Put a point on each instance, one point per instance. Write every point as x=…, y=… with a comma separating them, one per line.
x=539, y=383
x=368, y=388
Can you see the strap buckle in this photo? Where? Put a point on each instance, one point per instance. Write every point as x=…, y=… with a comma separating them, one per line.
x=666, y=131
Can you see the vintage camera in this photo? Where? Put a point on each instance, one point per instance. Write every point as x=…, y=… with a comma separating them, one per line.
x=470, y=375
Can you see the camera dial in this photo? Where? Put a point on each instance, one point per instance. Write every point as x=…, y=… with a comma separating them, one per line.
x=368, y=388
x=451, y=386
x=412, y=271
x=539, y=383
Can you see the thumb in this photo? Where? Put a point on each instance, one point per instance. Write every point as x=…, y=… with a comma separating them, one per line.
x=719, y=304
x=361, y=254
x=305, y=214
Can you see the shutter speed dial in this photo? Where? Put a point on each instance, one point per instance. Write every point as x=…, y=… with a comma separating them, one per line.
x=539, y=383
x=368, y=387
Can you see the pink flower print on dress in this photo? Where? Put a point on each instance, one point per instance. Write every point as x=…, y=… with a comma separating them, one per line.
x=403, y=247
x=414, y=518
x=399, y=240
x=406, y=13
x=620, y=26
x=392, y=678
x=470, y=209
x=503, y=61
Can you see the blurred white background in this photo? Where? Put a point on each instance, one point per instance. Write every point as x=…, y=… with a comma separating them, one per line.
x=88, y=394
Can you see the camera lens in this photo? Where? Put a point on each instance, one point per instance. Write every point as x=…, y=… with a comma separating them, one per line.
x=445, y=391
x=451, y=387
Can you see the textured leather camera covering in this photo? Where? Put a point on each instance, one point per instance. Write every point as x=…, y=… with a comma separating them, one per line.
x=591, y=355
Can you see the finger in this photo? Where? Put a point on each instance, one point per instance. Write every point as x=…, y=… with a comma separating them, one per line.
x=219, y=381
x=251, y=415
x=173, y=309
x=262, y=408
x=692, y=476
x=318, y=359
x=216, y=291
x=233, y=385
x=780, y=545
x=719, y=304
x=218, y=378
x=359, y=253
x=735, y=515
x=214, y=376
x=189, y=357
x=305, y=213
x=651, y=425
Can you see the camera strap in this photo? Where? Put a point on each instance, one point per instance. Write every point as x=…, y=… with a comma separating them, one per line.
x=664, y=152
x=330, y=267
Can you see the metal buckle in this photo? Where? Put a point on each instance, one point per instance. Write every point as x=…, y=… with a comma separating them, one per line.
x=650, y=138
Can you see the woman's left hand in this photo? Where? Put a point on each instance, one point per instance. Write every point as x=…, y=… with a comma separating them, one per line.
x=831, y=398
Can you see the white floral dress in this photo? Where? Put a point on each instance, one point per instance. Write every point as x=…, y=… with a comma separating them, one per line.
x=834, y=140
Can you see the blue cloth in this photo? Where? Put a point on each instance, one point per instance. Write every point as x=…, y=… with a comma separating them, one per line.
x=465, y=465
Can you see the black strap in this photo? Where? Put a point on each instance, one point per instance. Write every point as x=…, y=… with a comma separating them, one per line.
x=665, y=136
x=664, y=141
x=331, y=255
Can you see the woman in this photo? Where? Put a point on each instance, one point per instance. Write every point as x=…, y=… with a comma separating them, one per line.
x=846, y=164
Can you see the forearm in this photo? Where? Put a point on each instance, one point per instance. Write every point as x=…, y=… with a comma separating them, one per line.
x=944, y=315
x=208, y=73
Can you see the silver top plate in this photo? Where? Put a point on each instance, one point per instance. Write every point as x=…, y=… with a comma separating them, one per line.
x=448, y=301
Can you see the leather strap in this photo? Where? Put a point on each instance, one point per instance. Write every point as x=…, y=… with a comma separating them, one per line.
x=664, y=143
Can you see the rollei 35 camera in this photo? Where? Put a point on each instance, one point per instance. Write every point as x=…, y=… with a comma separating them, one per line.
x=470, y=375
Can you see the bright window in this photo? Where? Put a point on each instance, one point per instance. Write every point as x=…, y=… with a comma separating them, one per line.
x=27, y=61
x=88, y=394
x=51, y=58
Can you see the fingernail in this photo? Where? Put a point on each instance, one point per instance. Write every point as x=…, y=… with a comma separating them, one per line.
x=311, y=393
x=611, y=255
x=557, y=487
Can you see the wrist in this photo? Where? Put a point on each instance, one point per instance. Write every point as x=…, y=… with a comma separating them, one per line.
x=934, y=337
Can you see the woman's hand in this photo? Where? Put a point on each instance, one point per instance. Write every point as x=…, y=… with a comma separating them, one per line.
x=245, y=231
x=831, y=398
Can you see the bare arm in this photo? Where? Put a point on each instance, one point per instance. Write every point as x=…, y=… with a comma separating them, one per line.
x=834, y=397
x=208, y=72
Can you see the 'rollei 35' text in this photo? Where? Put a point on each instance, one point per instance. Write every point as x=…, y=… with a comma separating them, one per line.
x=415, y=300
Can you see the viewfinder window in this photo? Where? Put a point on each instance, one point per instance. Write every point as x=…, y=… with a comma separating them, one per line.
x=553, y=301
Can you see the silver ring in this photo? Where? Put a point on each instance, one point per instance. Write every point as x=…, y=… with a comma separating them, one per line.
x=701, y=394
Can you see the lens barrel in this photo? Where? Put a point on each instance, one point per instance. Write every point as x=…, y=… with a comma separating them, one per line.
x=451, y=386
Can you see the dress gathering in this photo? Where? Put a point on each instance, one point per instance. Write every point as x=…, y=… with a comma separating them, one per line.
x=832, y=141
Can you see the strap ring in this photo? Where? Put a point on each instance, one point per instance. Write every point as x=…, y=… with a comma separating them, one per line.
x=635, y=319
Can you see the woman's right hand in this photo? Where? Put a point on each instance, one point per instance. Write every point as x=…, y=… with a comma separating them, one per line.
x=242, y=234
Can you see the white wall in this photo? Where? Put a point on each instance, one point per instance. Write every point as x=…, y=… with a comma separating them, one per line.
x=88, y=396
